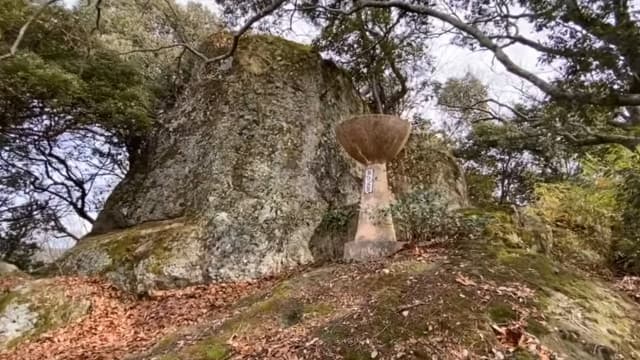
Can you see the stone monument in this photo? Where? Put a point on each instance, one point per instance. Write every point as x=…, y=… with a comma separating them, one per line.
x=373, y=140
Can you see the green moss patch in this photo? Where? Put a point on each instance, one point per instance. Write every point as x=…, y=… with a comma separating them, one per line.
x=537, y=328
x=6, y=299
x=533, y=269
x=209, y=349
x=586, y=308
x=117, y=254
x=417, y=303
x=502, y=313
x=356, y=354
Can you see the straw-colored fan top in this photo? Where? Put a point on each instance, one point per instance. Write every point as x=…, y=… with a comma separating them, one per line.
x=373, y=139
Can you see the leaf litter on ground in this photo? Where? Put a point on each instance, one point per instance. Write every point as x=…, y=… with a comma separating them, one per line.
x=119, y=324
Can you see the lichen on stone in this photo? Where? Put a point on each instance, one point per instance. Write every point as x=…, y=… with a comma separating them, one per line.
x=35, y=307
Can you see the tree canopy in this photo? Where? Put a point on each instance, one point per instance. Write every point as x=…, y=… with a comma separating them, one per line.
x=591, y=43
x=74, y=105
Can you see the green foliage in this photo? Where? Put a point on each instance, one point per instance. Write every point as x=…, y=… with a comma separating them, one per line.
x=15, y=250
x=74, y=108
x=69, y=107
x=585, y=207
x=127, y=26
x=337, y=219
x=379, y=51
x=598, y=211
x=70, y=75
x=625, y=251
x=582, y=216
x=497, y=143
x=595, y=42
x=503, y=153
x=423, y=215
x=591, y=99
x=466, y=100
x=481, y=188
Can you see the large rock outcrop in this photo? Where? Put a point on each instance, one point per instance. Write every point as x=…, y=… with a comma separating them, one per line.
x=240, y=173
x=237, y=179
x=427, y=163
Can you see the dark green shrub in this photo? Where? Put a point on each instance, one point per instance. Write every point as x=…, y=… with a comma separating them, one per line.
x=424, y=215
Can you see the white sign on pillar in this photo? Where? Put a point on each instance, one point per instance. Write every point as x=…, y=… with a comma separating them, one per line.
x=368, y=181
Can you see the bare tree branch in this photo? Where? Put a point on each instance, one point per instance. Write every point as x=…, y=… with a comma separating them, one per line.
x=98, y=7
x=23, y=30
x=597, y=138
x=188, y=47
x=532, y=44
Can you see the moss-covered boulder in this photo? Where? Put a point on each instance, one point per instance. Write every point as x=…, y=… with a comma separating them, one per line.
x=33, y=307
x=583, y=316
x=8, y=268
x=155, y=255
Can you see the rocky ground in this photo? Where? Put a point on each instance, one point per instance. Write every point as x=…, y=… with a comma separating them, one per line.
x=455, y=302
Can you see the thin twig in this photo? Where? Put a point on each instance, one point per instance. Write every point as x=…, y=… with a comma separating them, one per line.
x=407, y=307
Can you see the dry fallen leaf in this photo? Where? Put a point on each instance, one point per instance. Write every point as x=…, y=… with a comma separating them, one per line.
x=118, y=324
x=465, y=280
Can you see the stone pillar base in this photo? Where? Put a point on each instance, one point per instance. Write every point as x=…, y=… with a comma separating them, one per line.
x=370, y=249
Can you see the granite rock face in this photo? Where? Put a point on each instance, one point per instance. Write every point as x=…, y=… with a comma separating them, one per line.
x=8, y=268
x=34, y=307
x=237, y=180
x=247, y=161
x=426, y=163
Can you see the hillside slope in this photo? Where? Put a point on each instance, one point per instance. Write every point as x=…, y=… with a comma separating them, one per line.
x=425, y=304
x=475, y=301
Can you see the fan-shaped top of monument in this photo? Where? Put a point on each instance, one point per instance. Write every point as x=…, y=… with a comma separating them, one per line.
x=373, y=138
